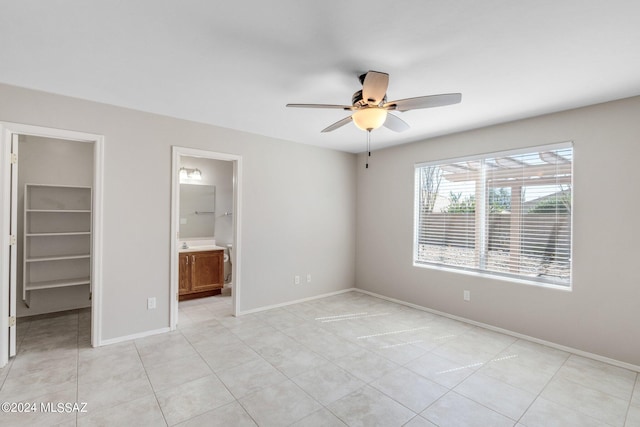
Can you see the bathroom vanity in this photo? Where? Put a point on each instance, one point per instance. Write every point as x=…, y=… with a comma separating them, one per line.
x=201, y=271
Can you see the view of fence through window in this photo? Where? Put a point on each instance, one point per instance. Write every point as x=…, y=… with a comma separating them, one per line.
x=505, y=213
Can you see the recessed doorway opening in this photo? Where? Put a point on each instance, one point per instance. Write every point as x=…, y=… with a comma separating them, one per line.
x=205, y=229
x=51, y=218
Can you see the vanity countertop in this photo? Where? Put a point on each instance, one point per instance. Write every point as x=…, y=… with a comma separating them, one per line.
x=200, y=248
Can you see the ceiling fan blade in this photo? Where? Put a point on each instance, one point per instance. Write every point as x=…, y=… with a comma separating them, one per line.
x=424, y=102
x=374, y=87
x=333, y=106
x=337, y=124
x=395, y=123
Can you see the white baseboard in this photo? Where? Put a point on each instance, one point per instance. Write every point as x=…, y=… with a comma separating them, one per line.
x=133, y=336
x=575, y=351
x=255, y=310
x=284, y=304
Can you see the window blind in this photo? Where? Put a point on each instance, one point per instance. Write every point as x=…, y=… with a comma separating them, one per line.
x=506, y=213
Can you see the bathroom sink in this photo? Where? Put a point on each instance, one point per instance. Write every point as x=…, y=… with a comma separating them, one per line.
x=198, y=245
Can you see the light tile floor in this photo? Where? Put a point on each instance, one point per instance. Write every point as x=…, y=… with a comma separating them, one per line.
x=349, y=359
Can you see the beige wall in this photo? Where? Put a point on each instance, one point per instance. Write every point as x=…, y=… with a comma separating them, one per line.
x=602, y=313
x=298, y=206
x=300, y=212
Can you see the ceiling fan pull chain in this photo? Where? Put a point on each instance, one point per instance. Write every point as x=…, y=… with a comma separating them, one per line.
x=368, y=147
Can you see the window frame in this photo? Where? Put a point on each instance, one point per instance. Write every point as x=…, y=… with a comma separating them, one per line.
x=477, y=271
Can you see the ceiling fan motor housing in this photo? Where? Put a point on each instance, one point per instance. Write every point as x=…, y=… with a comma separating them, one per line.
x=356, y=98
x=357, y=101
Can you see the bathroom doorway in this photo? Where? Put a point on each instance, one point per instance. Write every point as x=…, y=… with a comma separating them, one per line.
x=205, y=231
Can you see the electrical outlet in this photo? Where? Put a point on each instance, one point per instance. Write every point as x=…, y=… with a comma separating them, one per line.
x=151, y=303
x=467, y=295
x=296, y=279
x=308, y=277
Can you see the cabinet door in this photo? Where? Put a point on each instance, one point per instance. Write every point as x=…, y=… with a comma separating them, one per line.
x=184, y=275
x=206, y=271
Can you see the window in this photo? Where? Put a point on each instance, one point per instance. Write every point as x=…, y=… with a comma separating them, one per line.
x=506, y=214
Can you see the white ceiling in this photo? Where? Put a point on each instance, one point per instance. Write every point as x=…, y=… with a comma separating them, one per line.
x=237, y=63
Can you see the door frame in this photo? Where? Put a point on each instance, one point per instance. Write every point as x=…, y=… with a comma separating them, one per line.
x=177, y=153
x=7, y=129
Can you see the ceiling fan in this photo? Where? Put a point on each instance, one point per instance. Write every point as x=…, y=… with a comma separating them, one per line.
x=372, y=110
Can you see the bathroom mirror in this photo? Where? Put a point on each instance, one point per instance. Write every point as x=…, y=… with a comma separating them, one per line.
x=197, y=211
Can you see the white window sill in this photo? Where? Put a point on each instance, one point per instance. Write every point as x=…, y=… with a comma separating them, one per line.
x=488, y=275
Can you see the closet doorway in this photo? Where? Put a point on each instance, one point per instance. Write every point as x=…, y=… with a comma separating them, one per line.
x=205, y=230
x=51, y=222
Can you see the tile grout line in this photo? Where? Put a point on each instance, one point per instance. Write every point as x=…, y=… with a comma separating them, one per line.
x=290, y=378
x=77, y=365
x=539, y=395
x=9, y=365
x=155, y=395
x=216, y=375
x=520, y=339
x=635, y=383
x=333, y=362
x=452, y=389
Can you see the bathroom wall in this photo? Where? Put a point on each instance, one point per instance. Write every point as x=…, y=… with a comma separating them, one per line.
x=197, y=211
x=220, y=174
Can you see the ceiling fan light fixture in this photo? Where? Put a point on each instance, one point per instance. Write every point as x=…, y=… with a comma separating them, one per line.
x=370, y=118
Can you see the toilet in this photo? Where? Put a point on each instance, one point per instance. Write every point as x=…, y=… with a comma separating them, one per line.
x=228, y=280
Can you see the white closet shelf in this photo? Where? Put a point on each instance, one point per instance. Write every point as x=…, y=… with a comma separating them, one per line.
x=57, y=283
x=60, y=210
x=66, y=233
x=59, y=186
x=57, y=258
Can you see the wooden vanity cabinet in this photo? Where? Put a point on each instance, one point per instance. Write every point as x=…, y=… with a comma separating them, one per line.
x=200, y=274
